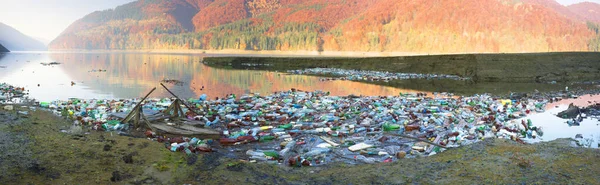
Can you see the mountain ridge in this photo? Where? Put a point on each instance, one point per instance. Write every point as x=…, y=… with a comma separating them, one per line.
x=588, y=11
x=335, y=25
x=3, y=49
x=14, y=40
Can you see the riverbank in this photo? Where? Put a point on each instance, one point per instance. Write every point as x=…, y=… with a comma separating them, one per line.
x=258, y=53
x=107, y=157
x=233, y=52
x=53, y=151
x=101, y=158
x=513, y=67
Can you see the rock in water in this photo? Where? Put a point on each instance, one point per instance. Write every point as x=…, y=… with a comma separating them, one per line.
x=571, y=112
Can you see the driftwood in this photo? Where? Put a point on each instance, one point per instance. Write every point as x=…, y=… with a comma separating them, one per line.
x=175, y=107
x=437, y=140
x=137, y=114
x=186, y=130
x=151, y=115
x=415, y=138
x=178, y=99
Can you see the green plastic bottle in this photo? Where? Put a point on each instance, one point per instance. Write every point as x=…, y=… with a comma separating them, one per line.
x=390, y=127
x=266, y=138
x=539, y=105
x=272, y=154
x=286, y=126
x=481, y=128
x=437, y=149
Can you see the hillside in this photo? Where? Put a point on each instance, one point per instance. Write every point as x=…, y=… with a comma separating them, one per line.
x=3, y=49
x=588, y=11
x=556, y=7
x=14, y=40
x=334, y=25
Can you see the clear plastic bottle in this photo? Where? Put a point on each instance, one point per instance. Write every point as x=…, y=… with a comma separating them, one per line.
x=316, y=151
x=364, y=159
x=288, y=147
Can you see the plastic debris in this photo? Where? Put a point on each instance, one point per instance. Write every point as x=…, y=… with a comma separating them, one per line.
x=359, y=146
x=347, y=74
x=10, y=94
x=50, y=63
x=300, y=128
x=172, y=81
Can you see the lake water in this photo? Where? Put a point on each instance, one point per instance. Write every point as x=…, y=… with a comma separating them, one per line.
x=555, y=127
x=132, y=75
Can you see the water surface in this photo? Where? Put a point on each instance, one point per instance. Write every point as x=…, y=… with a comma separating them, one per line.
x=555, y=127
x=132, y=75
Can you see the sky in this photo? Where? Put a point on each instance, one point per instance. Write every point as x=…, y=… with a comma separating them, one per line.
x=570, y=2
x=46, y=19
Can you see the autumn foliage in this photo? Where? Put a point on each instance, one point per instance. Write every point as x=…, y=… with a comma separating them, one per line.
x=444, y=26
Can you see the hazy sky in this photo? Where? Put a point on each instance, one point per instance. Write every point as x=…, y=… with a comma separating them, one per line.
x=46, y=19
x=568, y=2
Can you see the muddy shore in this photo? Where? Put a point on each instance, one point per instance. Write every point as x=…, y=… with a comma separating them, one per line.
x=39, y=153
x=512, y=67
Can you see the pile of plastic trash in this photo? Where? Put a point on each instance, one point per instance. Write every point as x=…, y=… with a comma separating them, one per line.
x=100, y=113
x=347, y=74
x=313, y=128
x=11, y=94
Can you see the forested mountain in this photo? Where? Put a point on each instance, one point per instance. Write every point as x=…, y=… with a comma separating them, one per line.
x=588, y=11
x=436, y=26
x=3, y=49
x=14, y=40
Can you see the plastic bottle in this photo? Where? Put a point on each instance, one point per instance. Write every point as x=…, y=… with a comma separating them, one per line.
x=316, y=151
x=288, y=147
x=257, y=155
x=276, y=130
x=390, y=127
x=266, y=138
x=361, y=129
x=364, y=159
x=193, y=141
x=286, y=126
x=271, y=154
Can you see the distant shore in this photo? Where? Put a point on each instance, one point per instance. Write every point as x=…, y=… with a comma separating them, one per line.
x=230, y=52
x=298, y=53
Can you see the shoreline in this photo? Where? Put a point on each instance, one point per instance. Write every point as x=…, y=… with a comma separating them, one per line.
x=143, y=160
x=299, y=53
x=110, y=158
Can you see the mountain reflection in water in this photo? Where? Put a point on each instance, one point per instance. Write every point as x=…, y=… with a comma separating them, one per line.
x=131, y=75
